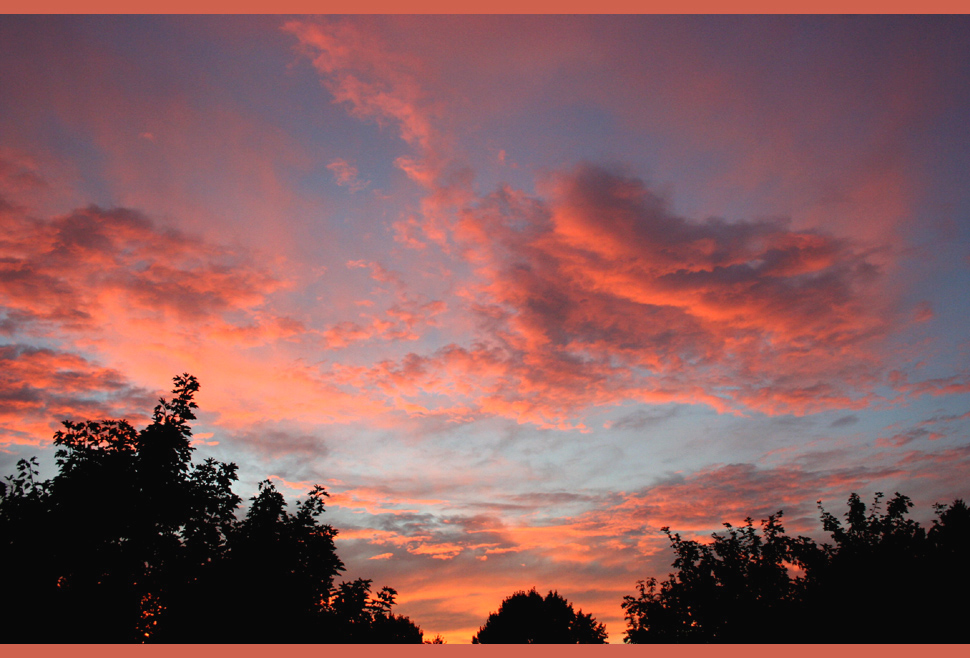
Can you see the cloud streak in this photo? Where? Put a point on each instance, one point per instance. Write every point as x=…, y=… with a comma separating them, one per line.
x=615, y=539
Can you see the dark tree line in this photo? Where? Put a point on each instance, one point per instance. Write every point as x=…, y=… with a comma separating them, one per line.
x=131, y=541
x=884, y=579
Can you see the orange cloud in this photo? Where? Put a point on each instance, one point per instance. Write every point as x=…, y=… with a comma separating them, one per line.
x=117, y=287
x=382, y=556
x=40, y=387
x=73, y=271
x=374, y=500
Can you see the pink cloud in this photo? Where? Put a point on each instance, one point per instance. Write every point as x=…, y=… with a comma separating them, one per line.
x=389, y=87
x=374, y=83
x=375, y=500
x=595, y=292
x=937, y=386
x=899, y=440
x=404, y=320
x=934, y=428
x=601, y=294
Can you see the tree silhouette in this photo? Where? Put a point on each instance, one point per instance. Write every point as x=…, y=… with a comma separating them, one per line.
x=722, y=590
x=528, y=618
x=883, y=580
x=131, y=542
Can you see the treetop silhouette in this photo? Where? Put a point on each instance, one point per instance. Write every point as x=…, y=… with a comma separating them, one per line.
x=528, y=618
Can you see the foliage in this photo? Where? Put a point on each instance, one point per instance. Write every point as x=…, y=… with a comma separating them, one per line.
x=358, y=617
x=884, y=579
x=528, y=618
x=130, y=542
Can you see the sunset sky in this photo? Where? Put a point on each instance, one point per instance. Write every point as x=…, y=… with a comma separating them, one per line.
x=518, y=291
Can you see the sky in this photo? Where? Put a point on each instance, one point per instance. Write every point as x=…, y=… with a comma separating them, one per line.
x=518, y=291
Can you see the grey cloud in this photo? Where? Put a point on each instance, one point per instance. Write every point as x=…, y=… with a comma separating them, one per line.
x=644, y=418
x=845, y=421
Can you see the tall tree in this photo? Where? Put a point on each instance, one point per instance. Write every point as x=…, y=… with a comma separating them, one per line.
x=130, y=541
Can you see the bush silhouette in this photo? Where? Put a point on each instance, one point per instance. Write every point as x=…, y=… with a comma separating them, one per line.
x=132, y=542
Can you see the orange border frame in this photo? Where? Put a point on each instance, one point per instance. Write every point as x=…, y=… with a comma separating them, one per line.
x=487, y=7
x=469, y=650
